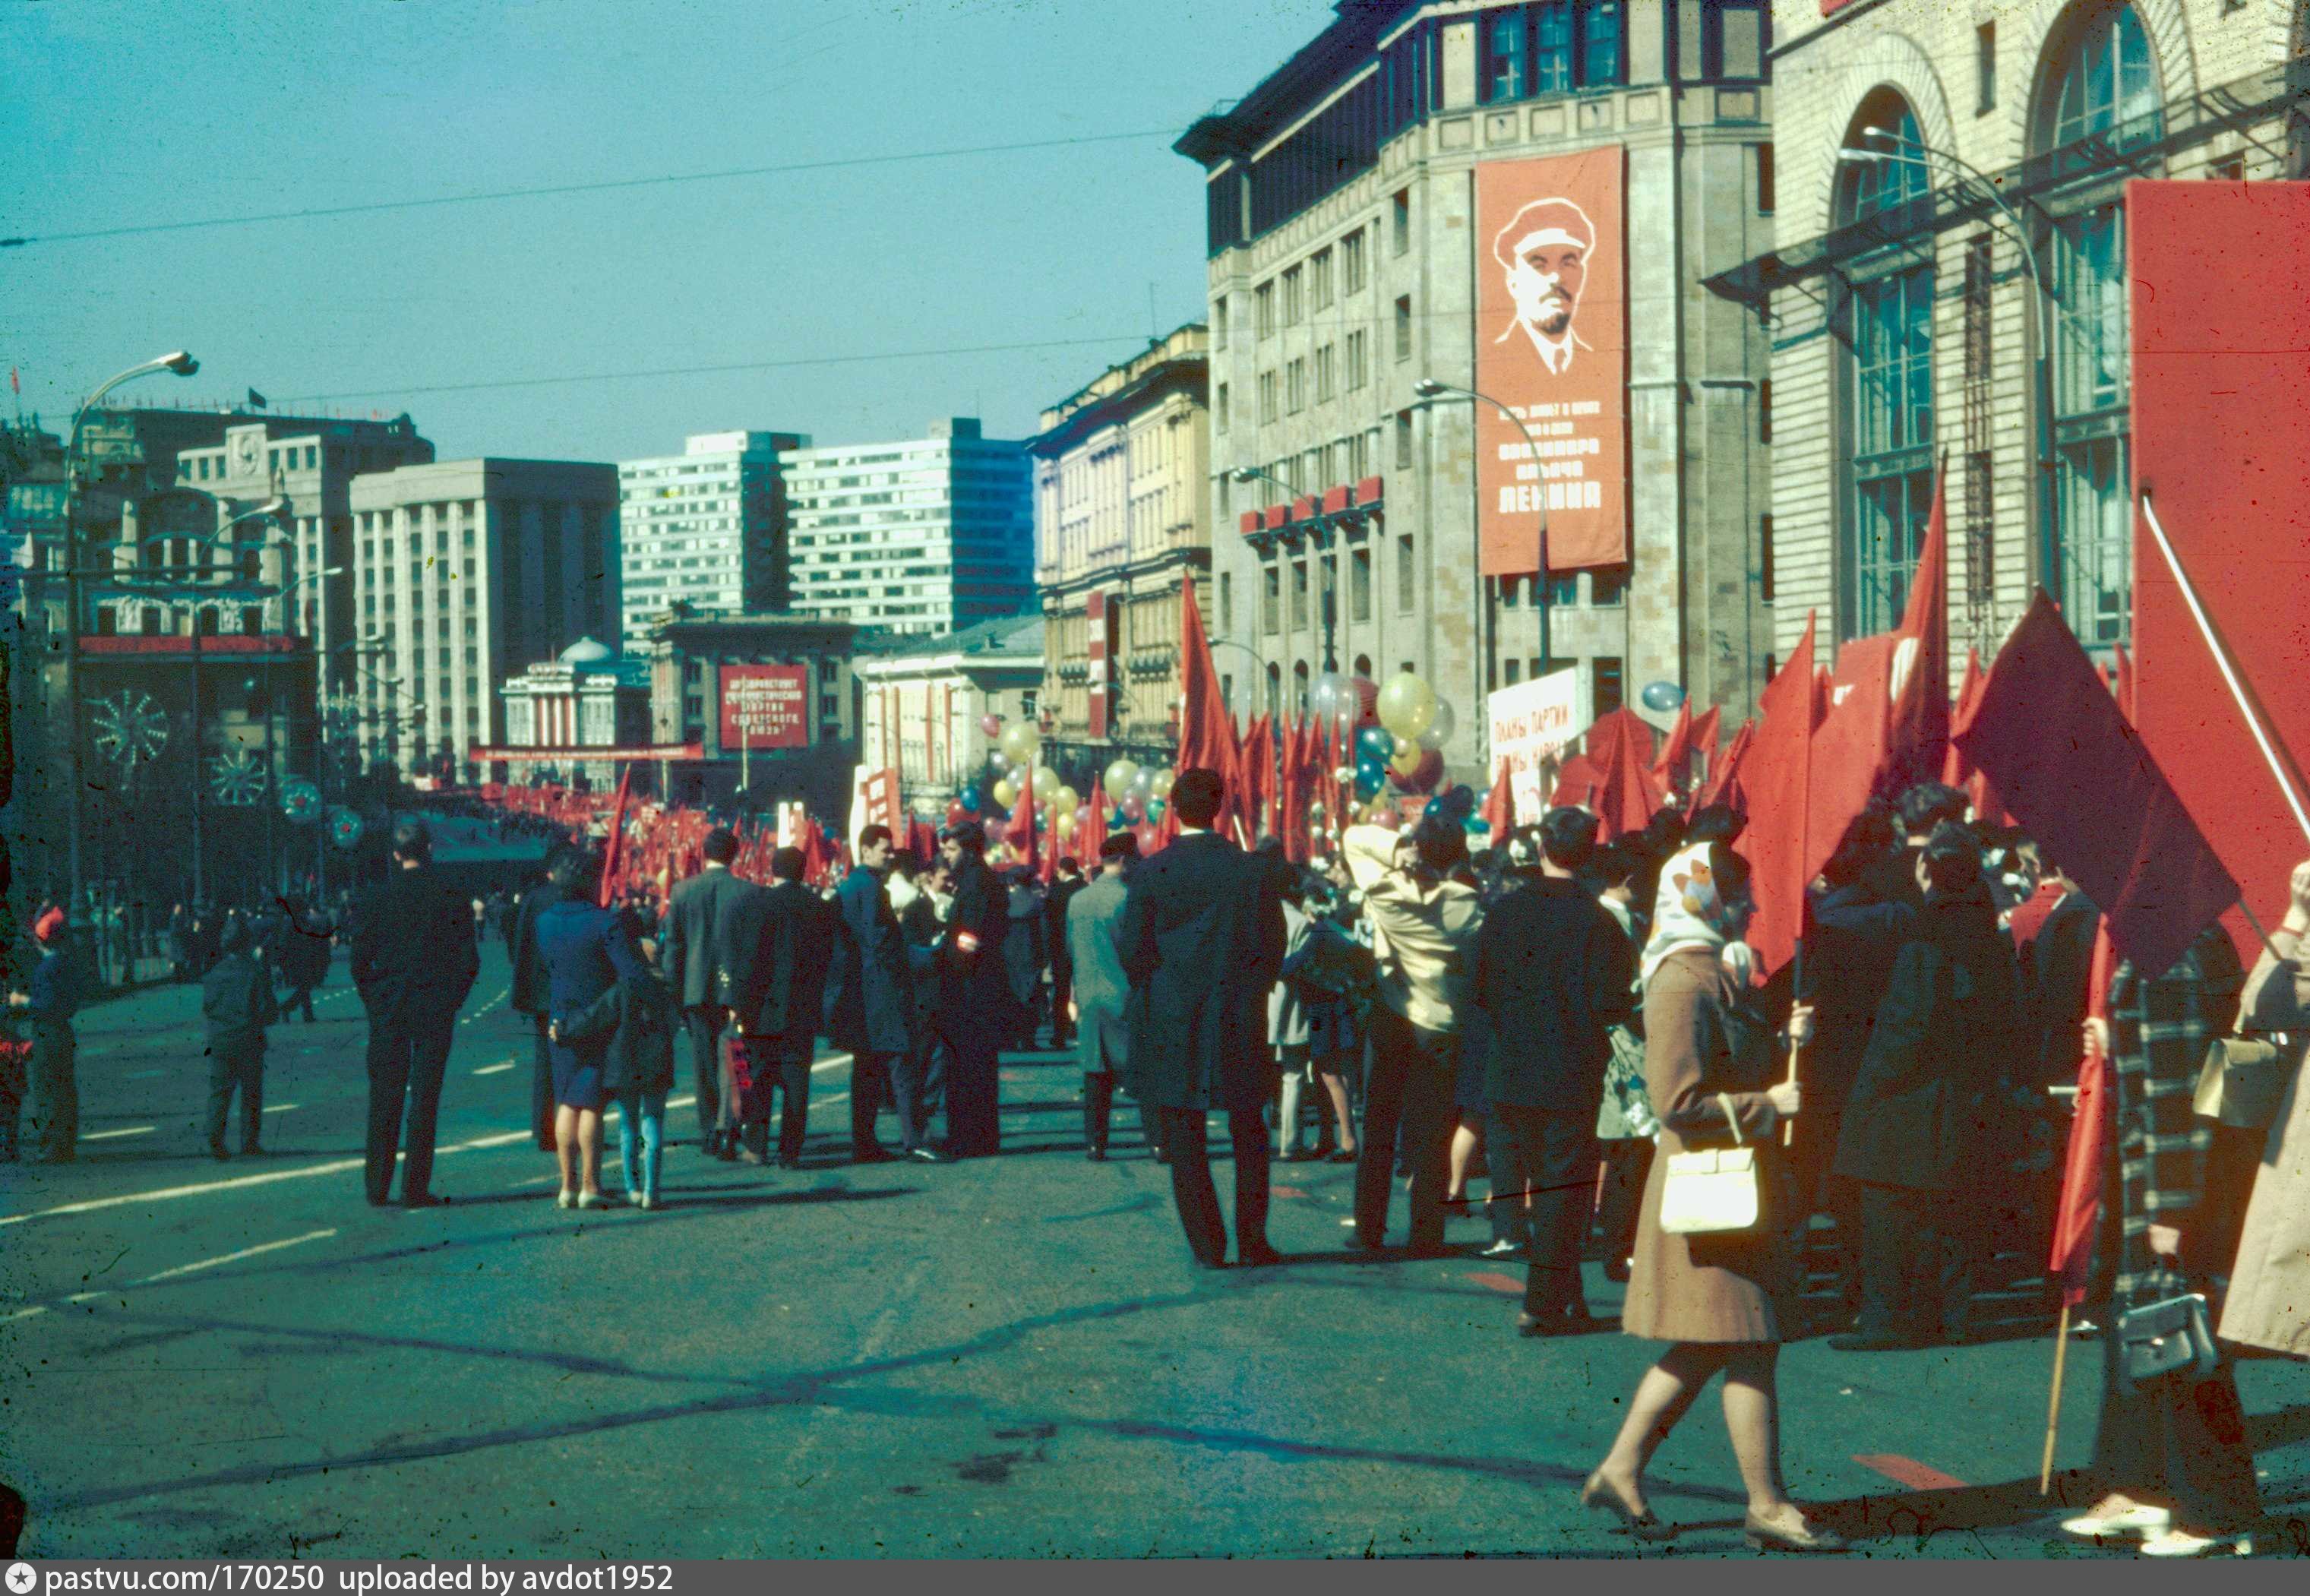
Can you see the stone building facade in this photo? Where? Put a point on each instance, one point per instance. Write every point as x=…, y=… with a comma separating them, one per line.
x=1950, y=283
x=1121, y=512
x=923, y=703
x=1344, y=269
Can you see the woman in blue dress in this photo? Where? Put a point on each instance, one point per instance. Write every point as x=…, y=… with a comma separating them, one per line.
x=586, y=951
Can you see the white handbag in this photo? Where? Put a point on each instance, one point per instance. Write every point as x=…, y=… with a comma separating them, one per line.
x=1708, y=1193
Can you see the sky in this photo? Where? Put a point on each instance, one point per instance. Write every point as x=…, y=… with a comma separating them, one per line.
x=138, y=114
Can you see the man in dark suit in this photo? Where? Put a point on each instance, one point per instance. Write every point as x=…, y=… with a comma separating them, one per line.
x=529, y=983
x=703, y=967
x=414, y=961
x=1102, y=992
x=1552, y=975
x=870, y=1004
x=1062, y=893
x=778, y=1000
x=1202, y=940
x=976, y=1012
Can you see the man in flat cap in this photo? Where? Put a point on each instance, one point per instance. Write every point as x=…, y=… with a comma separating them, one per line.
x=1543, y=252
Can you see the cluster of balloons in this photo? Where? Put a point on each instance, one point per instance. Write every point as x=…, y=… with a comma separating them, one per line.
x=1140, y=792
x=1458, y=803
x=1400, y=731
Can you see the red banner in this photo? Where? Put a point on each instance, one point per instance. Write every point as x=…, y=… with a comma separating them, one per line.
x=1552, y=344
x=2220, y=280
x=765, y=707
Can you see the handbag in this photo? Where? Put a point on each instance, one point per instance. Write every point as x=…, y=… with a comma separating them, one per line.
x=1709, y=1194
x=2241, y=1084
x=2166, y=1337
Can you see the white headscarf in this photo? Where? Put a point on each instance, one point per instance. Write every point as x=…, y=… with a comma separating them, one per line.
x=1689, y=912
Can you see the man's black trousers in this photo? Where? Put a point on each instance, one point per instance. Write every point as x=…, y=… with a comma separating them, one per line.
x=407, y=1056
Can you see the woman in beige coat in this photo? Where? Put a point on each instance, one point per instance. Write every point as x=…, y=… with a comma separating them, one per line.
x=1708, y=1067
x=2269, y=1303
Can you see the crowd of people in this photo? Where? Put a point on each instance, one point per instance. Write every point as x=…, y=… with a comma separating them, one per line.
x=1569, y=1023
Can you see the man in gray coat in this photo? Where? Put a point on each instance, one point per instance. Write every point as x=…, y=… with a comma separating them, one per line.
x=710, y=917
x=1100, y=992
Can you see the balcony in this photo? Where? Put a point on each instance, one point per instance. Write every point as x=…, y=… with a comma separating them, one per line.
x=1343, y=511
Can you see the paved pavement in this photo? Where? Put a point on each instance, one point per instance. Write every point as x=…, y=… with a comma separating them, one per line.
x=1009, y=1355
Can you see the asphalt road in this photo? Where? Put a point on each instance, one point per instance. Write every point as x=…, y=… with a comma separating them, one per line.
x=1005, y=1356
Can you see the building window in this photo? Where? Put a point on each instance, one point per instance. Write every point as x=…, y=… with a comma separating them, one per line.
x=1271, y=601
x=1219, y=322
x=1403, y=440
x=1328, y=374
x=1605, y=688
x=1360, y=579
x=1407, y=576
x=1266, y=396
x=1985, y=69
x=2106, y=77
x=1603, y=59
x=1319, y=279
x=1295, y=386
x=1733, y=36
x=1889, y=429
x=1404, y=327
x=1359, y=359
x=1220, y=409
x=1608, y=586
x=1506, y=70
x=1765, y=193
x=1275, y=690
x=1511, y=672
x=1765, y=410
x=1294, y=306
x=1400, y=221
x=1262, y=303
x=1226, y=601
x=1299, y=594
x=1351, y=261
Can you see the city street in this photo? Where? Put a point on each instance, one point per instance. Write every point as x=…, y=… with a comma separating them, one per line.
x=1005, y=1357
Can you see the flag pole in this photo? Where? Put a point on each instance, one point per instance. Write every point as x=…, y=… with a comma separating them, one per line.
x=2054, y=1401
x=2222, y=659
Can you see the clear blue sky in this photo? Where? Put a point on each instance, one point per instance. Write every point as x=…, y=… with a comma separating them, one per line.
x=170, y=111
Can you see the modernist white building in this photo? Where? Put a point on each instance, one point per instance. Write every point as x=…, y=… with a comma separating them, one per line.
x=706, y=528
x=921, y=537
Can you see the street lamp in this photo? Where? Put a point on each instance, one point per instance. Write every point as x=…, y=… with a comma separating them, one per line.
x=1430, y=390
x=1252, y=473
x=182, y=365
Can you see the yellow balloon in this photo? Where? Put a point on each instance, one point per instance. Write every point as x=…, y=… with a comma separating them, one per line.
x=1159, y=785
x=1005, y=795
x=1407, y=760
x=1066, y=801
x=1018, y=743
x=1047, y=783
x=1407, y=703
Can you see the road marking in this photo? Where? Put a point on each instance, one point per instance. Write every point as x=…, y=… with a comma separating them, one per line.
x=1908, y=1471
x=494, y=1068
x=23, y=1314
x=282, y=1107
x=270, y=1246
x=109, y=1135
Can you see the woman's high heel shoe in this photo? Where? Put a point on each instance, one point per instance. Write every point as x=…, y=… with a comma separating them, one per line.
x=1599, y=1497
x=1767, y=1535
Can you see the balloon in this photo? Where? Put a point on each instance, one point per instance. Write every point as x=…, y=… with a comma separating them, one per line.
x=991, y=725
x=1315, y=812
x=1121, y=775
x=1477, y=825
x=1375, y=742
x=1435, y=810
x=1018, y=742
x=1047, y=783
x=997, y=760
x=1133, y=806
x=1440, y=729
x=955, y=811
x=1367, y=692
x=1660, y=696
x=1406, y=704
x=1369, y=776
x=1408, y=758
x=1005, y=795
x=1144, y=784
x=1425, y=772
x=1460, y=801
x=1066, y=801
x=968, y=799
x=1344, y=773
x=1159, y=785
x=1331, y=695
x=1155, y=809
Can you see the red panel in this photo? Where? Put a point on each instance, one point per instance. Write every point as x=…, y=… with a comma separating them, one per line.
x=1371, y=490
x=1275, y=515
x=765, y=706
x=212, y=643
x=1303, y=507
x=1335, y=499
x=1248, y=521
x=1099, y=626
x=2221, y=443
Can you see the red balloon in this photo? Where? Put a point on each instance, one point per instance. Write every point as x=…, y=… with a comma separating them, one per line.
x=954, y=811
x=1366, y=701
x=1430, y=772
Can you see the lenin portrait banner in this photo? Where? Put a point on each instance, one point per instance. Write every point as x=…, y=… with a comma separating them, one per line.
x=1552, y=344
x=2220, y=314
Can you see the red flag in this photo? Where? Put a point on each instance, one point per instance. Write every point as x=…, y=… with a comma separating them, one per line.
x=2078, y=1216
x=1705, y=733
x=612, y=855
x=1291, y=792
x=1678, y=749
x=1957, y=770
x=1917, y=723
x=1498, y=808
x=1724, y=782
x=1579, y=779
x=1023, y=818
x=2074, y=772
x=1206, y=731
x=1090, y=827
x=1628, y=796
x=1778, y=777
x=1849, y=746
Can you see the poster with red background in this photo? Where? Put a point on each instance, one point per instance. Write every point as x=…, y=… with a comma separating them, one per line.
x=765, y=706
x=2220, y=286
x=1552, y=344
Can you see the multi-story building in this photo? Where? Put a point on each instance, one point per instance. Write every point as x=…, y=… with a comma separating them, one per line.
x=1951, y=282
x=1432, y=197
x=920, y=537
x=704, y=529
x=468, y=572
x=588, y=698
x=769, y=701
x=923, y=705
x=1122, y=498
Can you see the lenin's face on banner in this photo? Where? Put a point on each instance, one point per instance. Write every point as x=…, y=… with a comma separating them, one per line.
x=1543, y=253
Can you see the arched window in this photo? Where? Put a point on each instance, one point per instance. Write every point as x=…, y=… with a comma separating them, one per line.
x=1299, y=689
x=1274, y=689
x=2100, y=78
x=1888, y=376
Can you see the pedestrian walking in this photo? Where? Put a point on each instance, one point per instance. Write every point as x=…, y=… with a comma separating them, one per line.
x=976, y=1012
x=47, y=1000
x=1201, y=941
x=1719, y=1299
x=1289, y=1031
x=703, y=968
x=1100, y=995
x=1625, y=1121
x=1923, y=1118
x=634, y=1023
x=1425, y=913
x=778, y=1004
x=586, y=953
x=527, y=990
x=1024, y=953
x=305, y=956
x=414, y=962
x=2269, y=1282
x=1070, y=882
x=237, y=1005
x=871, y=1008
x=2171, y=1450
x=1552, y=976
